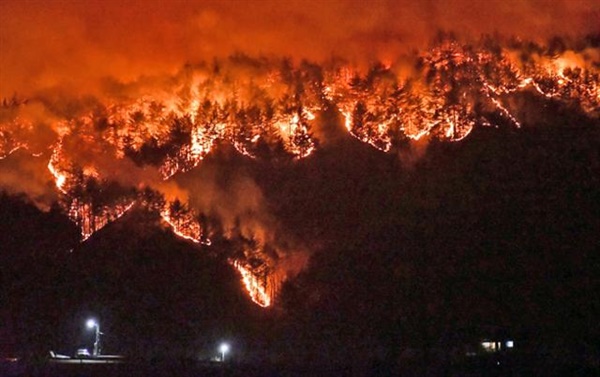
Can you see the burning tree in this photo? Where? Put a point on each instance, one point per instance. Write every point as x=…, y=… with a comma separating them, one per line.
x=267, y=108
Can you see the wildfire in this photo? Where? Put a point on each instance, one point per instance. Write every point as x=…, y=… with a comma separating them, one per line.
x=269, y=108
x=253, y=286
x=91, y=220
x=7, y=146
x=12, y=135
x=457, y=89
x=182, y=222
x=295, y=132
x=59, y=176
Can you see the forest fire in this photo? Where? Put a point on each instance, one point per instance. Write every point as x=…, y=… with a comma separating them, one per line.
x=182, y=222
x=270, y=109
x=60, y=178
x=300, y=187
x=90, y=219
x=255, y=288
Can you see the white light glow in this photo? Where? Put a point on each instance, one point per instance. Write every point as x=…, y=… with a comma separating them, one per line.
x=224, y=348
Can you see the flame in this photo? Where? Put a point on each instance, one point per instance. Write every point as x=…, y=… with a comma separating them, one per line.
x=189, y=233
x=183, y=223
x=11, y=135
x=83, y=214
x=379, y=107
x=256, y=290
x=270, y=104
x=295, y=131
x=8, y=146
x=59, y=176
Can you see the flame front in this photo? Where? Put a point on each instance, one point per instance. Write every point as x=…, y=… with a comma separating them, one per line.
x=182, y=222
x=91, y=220
x=256, y=290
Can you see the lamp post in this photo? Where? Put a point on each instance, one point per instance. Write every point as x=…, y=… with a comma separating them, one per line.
x=224, y=348
x=90, y=325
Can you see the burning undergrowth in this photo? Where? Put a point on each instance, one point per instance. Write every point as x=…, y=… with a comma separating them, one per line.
x=145, y=141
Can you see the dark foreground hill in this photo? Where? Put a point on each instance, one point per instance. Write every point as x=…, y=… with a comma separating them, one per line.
x=497, y=234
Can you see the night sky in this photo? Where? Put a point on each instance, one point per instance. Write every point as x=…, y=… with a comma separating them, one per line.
x=429, y=246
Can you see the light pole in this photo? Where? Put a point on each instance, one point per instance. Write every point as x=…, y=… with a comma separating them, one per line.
x=224, y=348
x=90, y=325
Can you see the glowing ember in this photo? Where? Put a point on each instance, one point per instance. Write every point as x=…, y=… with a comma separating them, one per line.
x=7, y=145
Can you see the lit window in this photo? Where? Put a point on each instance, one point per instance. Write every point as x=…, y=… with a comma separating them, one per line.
x=489, y=346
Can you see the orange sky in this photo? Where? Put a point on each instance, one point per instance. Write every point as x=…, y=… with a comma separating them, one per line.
x=70, y=43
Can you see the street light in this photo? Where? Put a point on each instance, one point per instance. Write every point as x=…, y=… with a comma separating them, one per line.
x=90, y=325
x=224, y=348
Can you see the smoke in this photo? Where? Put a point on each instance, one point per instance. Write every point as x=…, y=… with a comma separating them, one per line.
x=222, y=190
x=413, y=153
x=140, y=93
x=74, y=44
x=22, y=174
